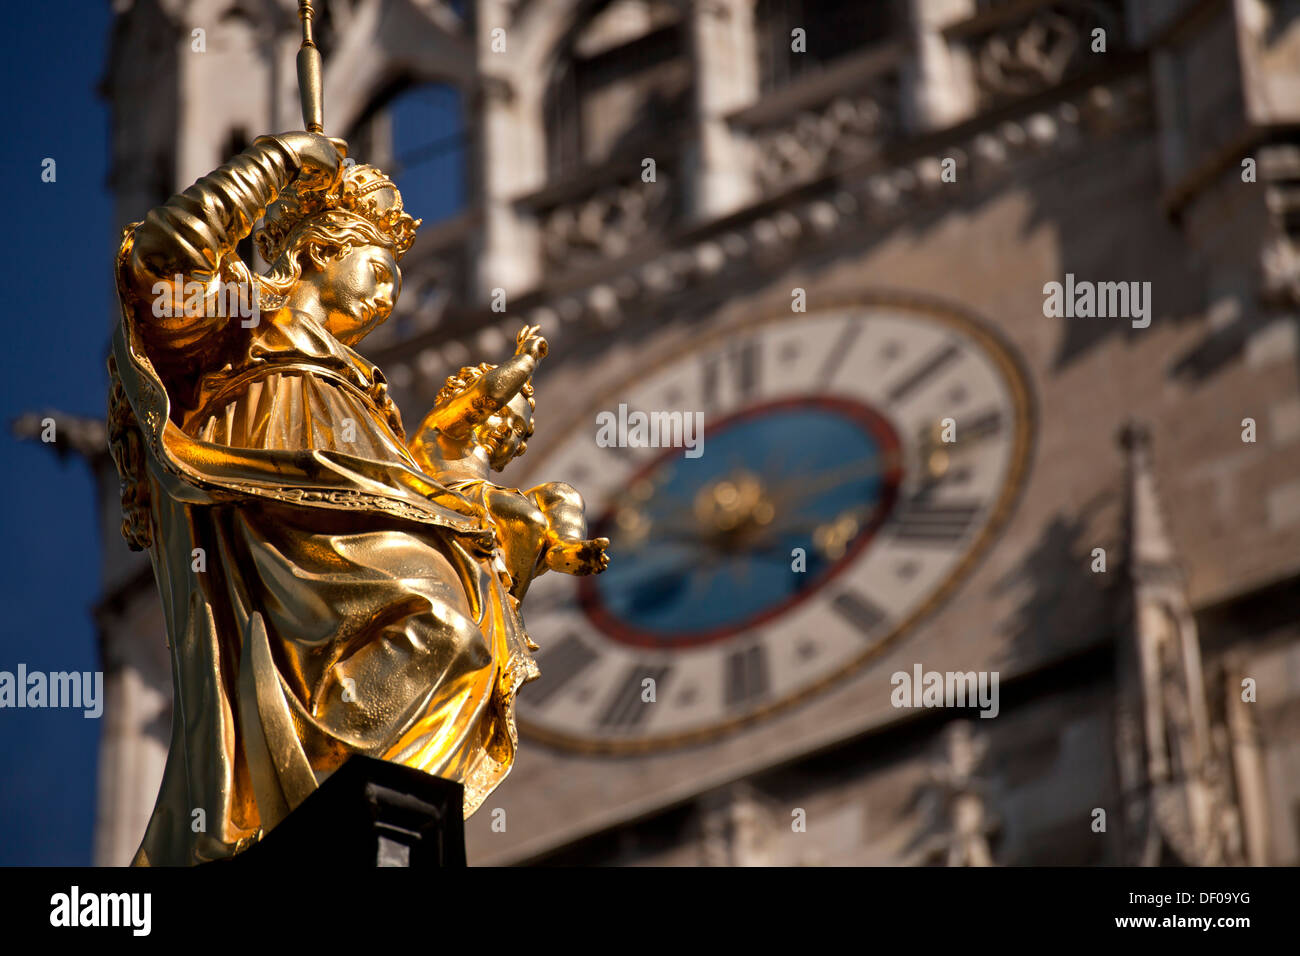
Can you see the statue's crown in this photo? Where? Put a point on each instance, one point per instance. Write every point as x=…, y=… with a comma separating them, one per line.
x=363, y=191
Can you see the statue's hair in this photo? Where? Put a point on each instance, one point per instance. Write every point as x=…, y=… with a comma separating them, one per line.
x=362, y=192
x=467, y=376
x=317, y=240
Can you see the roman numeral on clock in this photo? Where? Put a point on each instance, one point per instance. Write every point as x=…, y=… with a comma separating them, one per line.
x=859, y=611
x=566, y=660
x=740, y=365
x=625, y=709
x=926, y=521
x=924, y=372
x=981, y=426
x=839, y=352
x=746, y=676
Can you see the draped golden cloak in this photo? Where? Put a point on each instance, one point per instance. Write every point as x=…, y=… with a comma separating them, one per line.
x=322, y=594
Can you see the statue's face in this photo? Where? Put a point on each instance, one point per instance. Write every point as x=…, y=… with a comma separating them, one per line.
x=503, y=434
x=358, y=291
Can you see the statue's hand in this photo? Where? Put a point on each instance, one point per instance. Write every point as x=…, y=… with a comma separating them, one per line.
x=578, y=557
x=530, y=342
x=320, y=158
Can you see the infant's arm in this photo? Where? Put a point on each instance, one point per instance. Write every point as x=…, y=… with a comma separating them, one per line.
x=568, y=547
x=564, y=509
x=459, y=416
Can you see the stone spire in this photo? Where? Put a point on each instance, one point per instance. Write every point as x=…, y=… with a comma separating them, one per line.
x=1172, y=778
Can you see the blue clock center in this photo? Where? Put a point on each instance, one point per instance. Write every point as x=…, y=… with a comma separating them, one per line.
x=784, y=495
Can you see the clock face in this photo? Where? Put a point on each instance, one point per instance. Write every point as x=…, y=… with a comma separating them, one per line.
x=851, y=466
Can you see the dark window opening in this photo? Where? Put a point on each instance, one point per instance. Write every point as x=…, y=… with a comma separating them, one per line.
x=618, y=100
x=831, y=29
x=418, y=137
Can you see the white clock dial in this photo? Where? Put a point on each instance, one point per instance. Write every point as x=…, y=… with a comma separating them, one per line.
x=854, y=461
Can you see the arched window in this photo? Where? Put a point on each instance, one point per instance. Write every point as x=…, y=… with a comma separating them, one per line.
x=622, y=81
x=417, y=135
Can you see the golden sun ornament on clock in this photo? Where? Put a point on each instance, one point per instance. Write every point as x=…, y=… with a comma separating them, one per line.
x=856, y=461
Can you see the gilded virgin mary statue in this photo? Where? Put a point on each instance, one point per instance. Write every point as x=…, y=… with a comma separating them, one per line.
x=328, y=587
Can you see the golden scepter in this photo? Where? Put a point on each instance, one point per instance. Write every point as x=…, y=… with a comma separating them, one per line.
x=310, y=88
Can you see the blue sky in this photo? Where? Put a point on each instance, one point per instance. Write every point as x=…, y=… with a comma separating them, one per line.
x=56, y=266
x=59, y=239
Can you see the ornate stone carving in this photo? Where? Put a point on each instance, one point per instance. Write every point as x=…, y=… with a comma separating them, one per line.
x=1279, y=168
x=607, y=223
x=1036, y=52
x=959, y=826
x=738, y=829
x=815, y=141
x=1173, y=758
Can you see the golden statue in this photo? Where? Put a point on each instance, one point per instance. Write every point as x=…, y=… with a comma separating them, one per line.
x=327, y=589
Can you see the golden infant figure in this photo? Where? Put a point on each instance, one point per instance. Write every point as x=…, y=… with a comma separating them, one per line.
x=482, y=420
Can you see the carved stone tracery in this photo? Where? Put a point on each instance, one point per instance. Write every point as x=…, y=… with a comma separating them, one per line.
x=845, y=129
x=608, y=223
x=1039, y=51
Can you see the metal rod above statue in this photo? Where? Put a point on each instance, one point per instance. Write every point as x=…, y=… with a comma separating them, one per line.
x=311, y=87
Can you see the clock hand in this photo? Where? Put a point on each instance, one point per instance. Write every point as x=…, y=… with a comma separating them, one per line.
x=644, y=527
x=829, y=536
x=798, y=490
x=794, y=524
x=936, y=466
x=832, y=537
x=672, y=556
x=738, y=569
x=641, y=532
x=937, y=455
x=655, y=586
x=637, y=500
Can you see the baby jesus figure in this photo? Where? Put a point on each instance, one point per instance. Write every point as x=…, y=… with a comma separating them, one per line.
x=480, y=422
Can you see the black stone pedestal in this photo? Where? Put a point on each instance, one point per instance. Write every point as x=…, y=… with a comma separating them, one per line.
x=369, y=813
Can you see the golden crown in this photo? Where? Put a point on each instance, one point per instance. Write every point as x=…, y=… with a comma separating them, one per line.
x=364, y=192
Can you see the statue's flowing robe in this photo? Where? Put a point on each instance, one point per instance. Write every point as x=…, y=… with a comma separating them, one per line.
x=322, y=595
